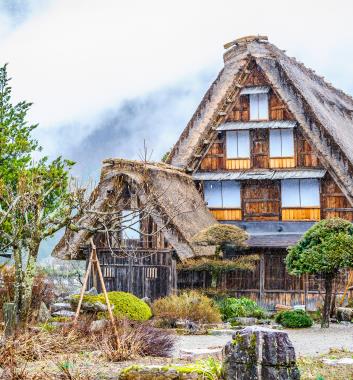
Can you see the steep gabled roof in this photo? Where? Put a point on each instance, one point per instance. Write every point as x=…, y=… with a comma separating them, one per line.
x=325, y=114
x=175, y=196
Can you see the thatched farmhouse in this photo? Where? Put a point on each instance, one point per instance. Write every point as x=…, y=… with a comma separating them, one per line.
x=268, y=149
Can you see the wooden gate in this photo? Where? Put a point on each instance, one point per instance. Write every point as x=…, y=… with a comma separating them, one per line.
x=145, y=273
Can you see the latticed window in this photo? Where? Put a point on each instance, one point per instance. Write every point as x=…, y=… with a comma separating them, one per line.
x=300, y=193
x=281, y=143
x=258, y=106
x=238, y=144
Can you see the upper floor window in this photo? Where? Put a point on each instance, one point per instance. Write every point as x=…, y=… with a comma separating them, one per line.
x=281, y=143
x=222, y=194
x=300, y=193
x=131, y=224
x=238, y=144
x=259, y=106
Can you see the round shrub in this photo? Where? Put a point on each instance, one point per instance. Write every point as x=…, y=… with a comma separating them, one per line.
x=192, y=306
x=294, y=319
x=240, y=307
x=126, y=305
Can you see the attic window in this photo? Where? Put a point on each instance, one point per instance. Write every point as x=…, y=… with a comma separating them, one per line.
x=222, y=194
x=300, y=193
x=238, y=144
x=258, y=106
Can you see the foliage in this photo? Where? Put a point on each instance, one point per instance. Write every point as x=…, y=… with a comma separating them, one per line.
x=294, y=319
x=35, y=197
x=135, y=341
x=325, y=248
x=192, y=306
x=221, y=234
x=240, y=307
x=43, y=289
x=166, y=155
x=126, y=305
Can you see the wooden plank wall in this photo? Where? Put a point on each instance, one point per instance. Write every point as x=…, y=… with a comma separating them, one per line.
x=261, y=200
x=145, y=273
x=333, y=201
x=273, y=287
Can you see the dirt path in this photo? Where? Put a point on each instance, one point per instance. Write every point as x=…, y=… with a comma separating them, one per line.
x=311, y=342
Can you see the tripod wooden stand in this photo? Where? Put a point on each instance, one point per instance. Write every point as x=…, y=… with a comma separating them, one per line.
x=93, y=265
x=348, y=286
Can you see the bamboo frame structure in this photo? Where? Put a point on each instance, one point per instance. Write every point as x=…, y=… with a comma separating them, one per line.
x=93, y=264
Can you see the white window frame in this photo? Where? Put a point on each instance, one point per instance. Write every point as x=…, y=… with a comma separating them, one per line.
x=233, y=136
x=302, y=193
x=225, y=203
x=281, y=131
x=259, y=107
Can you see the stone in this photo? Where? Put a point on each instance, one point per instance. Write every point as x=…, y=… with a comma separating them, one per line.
x=244, y=321
x=217, y=332
x=99, y=325
x=91, y=292
x=147, y=300
x=95, y=306
x=64, y=313
x=280, y=307
x=43, y=313
x=342, y=361
x=59, y=306
x=201, y=353
x=260, y=353
x=344, y=314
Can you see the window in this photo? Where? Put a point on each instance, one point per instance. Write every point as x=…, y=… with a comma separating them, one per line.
x=131, y=224
x=238, y=144
x=281, y=143
x=222, y=194
x=300, y=193
x=258, y=106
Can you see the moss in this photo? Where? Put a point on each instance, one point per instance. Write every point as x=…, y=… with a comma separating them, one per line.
x=239, y=339
x=126, y=305
x=59, y=319
x=209, y=369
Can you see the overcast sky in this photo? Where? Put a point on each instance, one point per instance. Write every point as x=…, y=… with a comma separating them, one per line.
x=104, y=75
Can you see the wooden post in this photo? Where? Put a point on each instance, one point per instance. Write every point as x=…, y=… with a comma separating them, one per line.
x=9, y=318
x=262, y=279
x=84, y=286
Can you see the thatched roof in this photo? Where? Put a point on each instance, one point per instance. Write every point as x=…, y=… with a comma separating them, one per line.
x=176, y=197
x=324, y=114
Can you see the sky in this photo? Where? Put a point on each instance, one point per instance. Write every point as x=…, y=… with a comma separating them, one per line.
x=105, y=75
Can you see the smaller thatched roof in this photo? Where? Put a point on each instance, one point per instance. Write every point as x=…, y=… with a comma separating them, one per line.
x=176, y=198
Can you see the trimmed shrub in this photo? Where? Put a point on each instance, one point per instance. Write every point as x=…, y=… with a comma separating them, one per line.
x=294, y=319
x=126, y=305
x=192, y=306
x=240, y=307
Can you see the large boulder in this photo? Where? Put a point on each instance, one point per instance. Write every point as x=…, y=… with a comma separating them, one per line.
x=260, y=353
x=43, y=313
x=344, y=314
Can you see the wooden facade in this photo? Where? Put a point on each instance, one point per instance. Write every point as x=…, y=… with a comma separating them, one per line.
x=269, y=284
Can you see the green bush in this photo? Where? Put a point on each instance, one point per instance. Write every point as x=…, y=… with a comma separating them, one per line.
x=240, y=307
x=294, y=319
x=126, y=305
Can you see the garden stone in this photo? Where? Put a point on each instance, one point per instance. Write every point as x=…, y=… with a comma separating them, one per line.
x=92, y=292
x=64, y=313
x=99, y=325
x=95, y=306
x=245, y=321
x=260, y=353
x=43, y=313
x=201, y=353
x=217, y=332
x=60, y=306
x=147, y=300
x=263, y=321
x=344, y=314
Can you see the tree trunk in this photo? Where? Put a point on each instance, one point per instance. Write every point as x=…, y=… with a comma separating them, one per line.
x=18, y=282
x=325, y=322
x=27, y=284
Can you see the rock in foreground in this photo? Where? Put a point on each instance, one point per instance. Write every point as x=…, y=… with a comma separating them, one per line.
x=258, y=353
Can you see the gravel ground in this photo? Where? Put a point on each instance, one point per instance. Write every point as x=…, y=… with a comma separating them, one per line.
x=307, y=342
